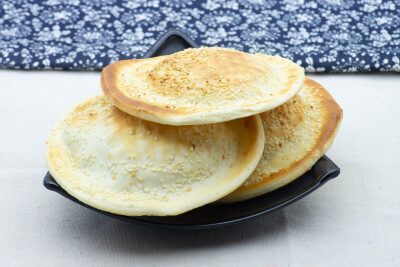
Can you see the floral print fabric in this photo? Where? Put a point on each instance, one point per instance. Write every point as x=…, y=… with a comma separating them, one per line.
x=320, y=35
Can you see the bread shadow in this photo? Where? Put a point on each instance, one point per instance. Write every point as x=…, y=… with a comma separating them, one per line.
x=109, y=234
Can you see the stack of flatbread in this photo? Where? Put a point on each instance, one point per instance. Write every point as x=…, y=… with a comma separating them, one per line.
x=173, y=133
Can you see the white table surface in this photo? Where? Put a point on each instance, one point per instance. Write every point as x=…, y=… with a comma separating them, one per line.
x=353, y=220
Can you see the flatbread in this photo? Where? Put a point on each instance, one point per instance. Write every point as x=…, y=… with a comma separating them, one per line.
x=125, y=165
x=201, y=85
x=297, y=134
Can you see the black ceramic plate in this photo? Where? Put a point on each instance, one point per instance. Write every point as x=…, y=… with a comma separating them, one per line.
x=218, y=215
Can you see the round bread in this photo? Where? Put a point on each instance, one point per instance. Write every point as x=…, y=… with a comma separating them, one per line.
x=125, y=165
x=201, y=85
x=297, y=134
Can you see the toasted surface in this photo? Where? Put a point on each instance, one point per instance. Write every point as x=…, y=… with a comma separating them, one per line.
x=201, y=85
x=122, y=164
x=297, y=134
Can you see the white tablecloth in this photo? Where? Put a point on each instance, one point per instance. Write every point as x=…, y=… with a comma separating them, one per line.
x=353, y=220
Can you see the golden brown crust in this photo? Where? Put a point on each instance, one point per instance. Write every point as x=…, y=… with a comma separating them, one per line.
x=331, y=116
x=109, y=76
x=198, y=86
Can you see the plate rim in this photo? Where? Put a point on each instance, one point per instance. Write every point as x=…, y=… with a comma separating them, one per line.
x=50, y=184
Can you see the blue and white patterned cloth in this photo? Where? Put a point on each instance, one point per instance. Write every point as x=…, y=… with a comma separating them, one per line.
x=320, y=35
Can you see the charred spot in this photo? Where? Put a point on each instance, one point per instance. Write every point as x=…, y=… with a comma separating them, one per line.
x=249, y=124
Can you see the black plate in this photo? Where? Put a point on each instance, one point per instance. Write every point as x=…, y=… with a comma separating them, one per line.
x=218, y=215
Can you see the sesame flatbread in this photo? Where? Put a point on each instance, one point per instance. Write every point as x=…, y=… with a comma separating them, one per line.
x=122, y=164
x=297, y=134
x=201, y=85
